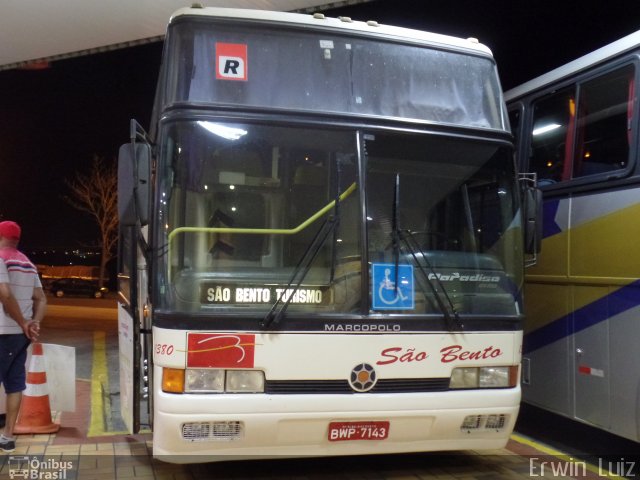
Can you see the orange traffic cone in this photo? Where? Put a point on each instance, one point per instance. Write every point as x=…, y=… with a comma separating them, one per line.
x=35, y=411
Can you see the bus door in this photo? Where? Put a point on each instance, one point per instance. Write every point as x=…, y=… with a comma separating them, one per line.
x=129, y=332
x=134, y=324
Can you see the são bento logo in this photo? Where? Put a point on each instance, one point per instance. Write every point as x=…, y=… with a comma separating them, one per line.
x=231, y=61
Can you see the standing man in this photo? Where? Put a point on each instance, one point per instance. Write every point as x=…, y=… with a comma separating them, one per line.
x=24, y=303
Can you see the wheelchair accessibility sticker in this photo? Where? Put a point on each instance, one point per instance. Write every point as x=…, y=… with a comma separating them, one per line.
x=386, y=296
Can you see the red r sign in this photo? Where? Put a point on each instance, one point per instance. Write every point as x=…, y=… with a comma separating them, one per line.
x=221, y=350
x=231, y=61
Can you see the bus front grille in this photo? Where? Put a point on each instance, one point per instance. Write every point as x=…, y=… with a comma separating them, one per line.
x=208, y=431
x=400, y=385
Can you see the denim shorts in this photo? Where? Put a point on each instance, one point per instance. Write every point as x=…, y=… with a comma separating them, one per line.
x=13, y=355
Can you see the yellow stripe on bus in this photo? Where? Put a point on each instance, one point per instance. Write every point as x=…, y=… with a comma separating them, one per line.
x=582, y=265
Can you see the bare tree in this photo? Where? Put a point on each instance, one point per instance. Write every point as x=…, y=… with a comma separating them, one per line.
x=96, y=193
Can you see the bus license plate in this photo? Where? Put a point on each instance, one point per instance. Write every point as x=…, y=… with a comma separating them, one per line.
x=340, y=431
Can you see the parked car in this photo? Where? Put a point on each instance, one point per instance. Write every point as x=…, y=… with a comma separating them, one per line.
x=77, y=286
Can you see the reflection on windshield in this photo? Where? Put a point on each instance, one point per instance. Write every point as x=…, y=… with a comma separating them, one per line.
x=454, y=204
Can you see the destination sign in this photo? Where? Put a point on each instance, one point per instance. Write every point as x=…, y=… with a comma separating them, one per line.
x=218, y=294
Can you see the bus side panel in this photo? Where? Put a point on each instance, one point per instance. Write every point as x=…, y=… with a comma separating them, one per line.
x=604, y=227
x=591, y=372
x=603, y=262
x=548, y=307
x=582, y=303
x=625, y=373
x=547, y=348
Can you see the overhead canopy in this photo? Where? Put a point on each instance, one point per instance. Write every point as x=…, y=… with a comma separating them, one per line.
x=35, y=31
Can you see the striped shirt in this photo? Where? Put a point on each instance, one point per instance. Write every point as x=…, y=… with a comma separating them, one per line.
x=22, y=276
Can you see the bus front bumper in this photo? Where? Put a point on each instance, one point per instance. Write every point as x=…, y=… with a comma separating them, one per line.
x=206, y=428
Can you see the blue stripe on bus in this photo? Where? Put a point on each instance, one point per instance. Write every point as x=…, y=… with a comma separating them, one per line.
x=549, y=225
x=621, y=300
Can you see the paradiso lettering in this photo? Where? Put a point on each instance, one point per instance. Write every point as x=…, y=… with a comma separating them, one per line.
x=447, y=354
x=219, y=294
x=479, y=277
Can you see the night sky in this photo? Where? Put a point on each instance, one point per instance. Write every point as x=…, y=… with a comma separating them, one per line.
x=54, y=121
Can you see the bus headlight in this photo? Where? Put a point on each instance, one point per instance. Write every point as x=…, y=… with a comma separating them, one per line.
x=204, y=380
x=464, y=378
x=212, y=380
x=245, y=381
x=484, y=377
x=493, y=377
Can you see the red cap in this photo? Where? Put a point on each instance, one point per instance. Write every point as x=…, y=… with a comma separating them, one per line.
x=10, y=229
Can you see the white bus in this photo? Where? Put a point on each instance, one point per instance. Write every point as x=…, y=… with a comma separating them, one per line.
x=322, y=243
x=577, y=129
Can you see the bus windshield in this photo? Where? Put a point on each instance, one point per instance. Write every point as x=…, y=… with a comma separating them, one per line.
x=247, y=207
x=309, y=71
x=242, y=204
x=443, y=225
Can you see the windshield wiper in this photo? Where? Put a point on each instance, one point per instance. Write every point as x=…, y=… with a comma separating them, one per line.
x=449, y=310
x=426, y=269
x=279, y=307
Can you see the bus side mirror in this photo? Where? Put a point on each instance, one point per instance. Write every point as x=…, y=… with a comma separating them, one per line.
x=532, y=214
x=134, y=183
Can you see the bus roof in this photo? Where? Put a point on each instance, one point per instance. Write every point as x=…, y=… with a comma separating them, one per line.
x=603, y=54
x=472, y=45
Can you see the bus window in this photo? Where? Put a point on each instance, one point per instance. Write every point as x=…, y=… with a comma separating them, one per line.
x=593, y=131
x=604, y=123
x=552, y=137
